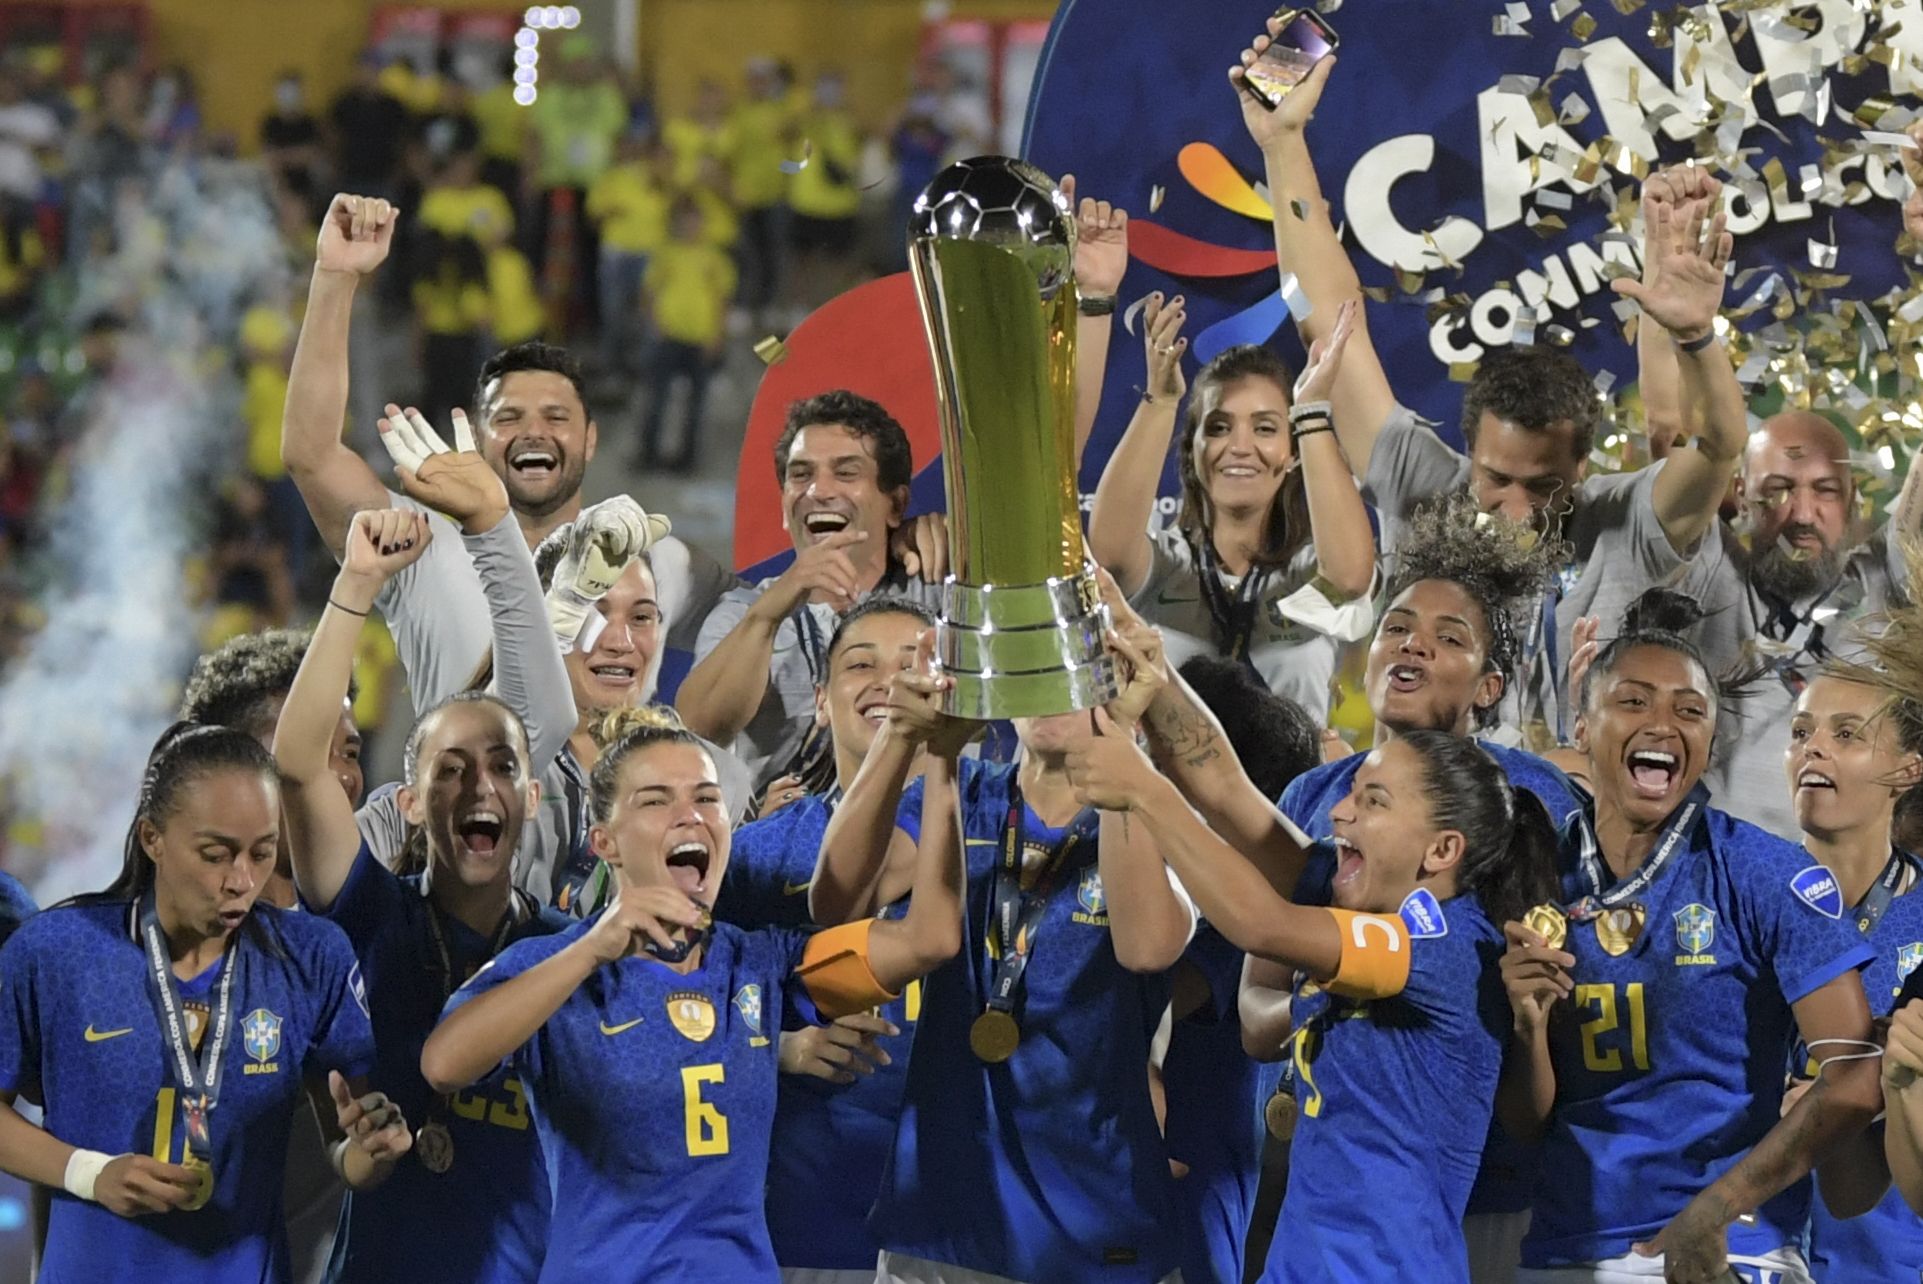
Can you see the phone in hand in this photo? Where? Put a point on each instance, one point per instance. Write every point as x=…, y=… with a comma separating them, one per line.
x=1305, y=40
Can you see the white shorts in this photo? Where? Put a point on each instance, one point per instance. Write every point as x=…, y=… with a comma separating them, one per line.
x=1495, y=1245
x=899, y=1268
x=1784, y=1266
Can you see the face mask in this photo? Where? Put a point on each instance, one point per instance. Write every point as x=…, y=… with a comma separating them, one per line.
x=287, y=96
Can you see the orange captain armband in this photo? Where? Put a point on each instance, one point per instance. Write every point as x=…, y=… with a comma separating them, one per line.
x=834, y=968
x=1375, y=955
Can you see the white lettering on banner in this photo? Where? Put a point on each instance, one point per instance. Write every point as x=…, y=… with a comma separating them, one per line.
x=1366, y=197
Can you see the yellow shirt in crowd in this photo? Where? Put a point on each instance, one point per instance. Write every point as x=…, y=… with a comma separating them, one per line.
x=825, y=187
x=689, y=286
x=502, y=121
x=450, y=304
x=263, y=403
x=516, y=304
x=631, y=208
x=577, y=125
x=758, y=138
x=459, y=211
x=690, y=142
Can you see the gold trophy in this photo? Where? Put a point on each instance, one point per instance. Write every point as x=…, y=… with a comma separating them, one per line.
x=992, y=243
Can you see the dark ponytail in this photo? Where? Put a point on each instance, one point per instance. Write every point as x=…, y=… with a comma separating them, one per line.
x=1510, y=858
x=1664, y=618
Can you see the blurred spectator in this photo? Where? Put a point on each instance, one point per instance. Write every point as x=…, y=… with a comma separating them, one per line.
x=576, y=119
x=457, y=202
x=720, y=223
x=252, y=587
x=824, y=195
x=699, y=135
x=688, y=286
x=919, y=148
x=629, y=206
x=290, y=142
x=760, y=136
x=515, y=313
x=958, y=108
x=173, y=110
x=503, y=127
x=451, y=314
x=370, y=126
x=449, y=129
x=22, y=257
x=110, y=152
x=27, y=130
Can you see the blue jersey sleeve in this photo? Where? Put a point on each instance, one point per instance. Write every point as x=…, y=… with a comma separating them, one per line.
x=343, y=1035
x=369, y=901
x=772, y=863
x=19, y=1012
x=504, y=967
x=908, y=815
x=1796, y=912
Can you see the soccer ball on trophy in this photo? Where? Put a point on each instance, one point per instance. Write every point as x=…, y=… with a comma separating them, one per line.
x=1005, y=203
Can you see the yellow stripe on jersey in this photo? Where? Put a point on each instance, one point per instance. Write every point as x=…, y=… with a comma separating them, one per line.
x=1375, y=956
x=834, y=967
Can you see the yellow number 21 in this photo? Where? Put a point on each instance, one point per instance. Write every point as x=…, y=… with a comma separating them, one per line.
x=707, y=1127
x=1603, y=998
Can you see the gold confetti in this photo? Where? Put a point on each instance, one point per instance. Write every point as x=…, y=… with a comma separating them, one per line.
x=1156, y=195
x=771, y=350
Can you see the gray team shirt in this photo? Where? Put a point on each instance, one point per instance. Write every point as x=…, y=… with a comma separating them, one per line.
x=1742, y=630
x=1619, y=551
x=774, y=736
x=1294, y=659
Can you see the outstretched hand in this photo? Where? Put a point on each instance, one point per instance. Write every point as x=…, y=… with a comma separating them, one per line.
x=382, y=542
x=1101, y=243
x=1269, y=125
x=455, y=482
x=1162, y=338
x=355, y=234
x=1684, y=268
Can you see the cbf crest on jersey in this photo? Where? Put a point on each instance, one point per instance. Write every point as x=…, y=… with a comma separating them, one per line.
x=1695, y=933
x=747, y=1001
x=1092, y=899
x=692, y=1013
x=1907, y=959
x=260, y=1036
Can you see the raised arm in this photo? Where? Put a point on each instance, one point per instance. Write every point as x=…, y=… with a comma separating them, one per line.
x=322, y=836
x=930, y=933
x=1309, y=250
x=723, y=692
x=1101, y=257
x=487, y=1024
x=335, y=482
x=1264, y=1005
x=1338, y=519
x=1687, y=267
x=1125, y=497
x=1840, y=1104
x=1536, y=978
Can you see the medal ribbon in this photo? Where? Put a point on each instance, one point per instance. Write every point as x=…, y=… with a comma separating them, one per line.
x=1682, y=824
x=1234, y=617
x=517, y=912
x=1876, y=901
x=1018, y=913
x=199, y=1078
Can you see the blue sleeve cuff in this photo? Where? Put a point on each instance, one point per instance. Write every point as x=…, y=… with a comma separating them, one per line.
x=1854, y=959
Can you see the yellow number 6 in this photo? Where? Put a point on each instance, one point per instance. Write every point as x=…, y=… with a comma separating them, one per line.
x=707, y=1127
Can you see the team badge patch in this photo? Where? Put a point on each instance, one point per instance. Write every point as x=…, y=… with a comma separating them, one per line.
x=692, y=1014
x=1422, y=915
x=260, y=1037
x=1816, y=887
x=1695, y=928
x=1090, y=894
x=1907, y=959
x=747, y=1001
x=357, y=986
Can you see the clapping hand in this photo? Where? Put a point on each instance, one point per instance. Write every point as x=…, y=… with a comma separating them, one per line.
x=457, y=482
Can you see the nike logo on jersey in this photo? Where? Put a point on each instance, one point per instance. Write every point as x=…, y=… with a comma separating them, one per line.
x=794, y=889
x=612, y=1030
x=101, y=1036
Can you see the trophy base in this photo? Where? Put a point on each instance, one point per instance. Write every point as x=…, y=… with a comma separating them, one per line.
x=1025, y=650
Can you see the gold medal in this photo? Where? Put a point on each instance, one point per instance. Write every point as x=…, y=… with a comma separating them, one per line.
x=1549, y=923
x=994, y=1036
x=1617, y=929
x=205, y=1190
x=1280, y=1115
x=435, y=1146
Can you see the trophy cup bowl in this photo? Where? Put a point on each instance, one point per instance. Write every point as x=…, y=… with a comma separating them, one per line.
x=992, y=245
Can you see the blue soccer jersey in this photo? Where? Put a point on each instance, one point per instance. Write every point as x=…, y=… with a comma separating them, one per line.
x=77, y=1028
x=1884, y=1245
x=484, y=1220
x=1669, y=1062
x=820, y=1128
x=1394, y=1100
x=1050, y=1165
x=1215, y=1093
x=653, y=1094
x=16, y=905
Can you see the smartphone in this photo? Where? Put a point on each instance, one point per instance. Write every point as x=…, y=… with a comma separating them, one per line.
x=1306, y=39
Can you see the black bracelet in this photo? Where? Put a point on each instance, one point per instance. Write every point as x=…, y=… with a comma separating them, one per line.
x=350, y=610
x=1096, y=305
x=1297, y=434
x=1697, y=344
